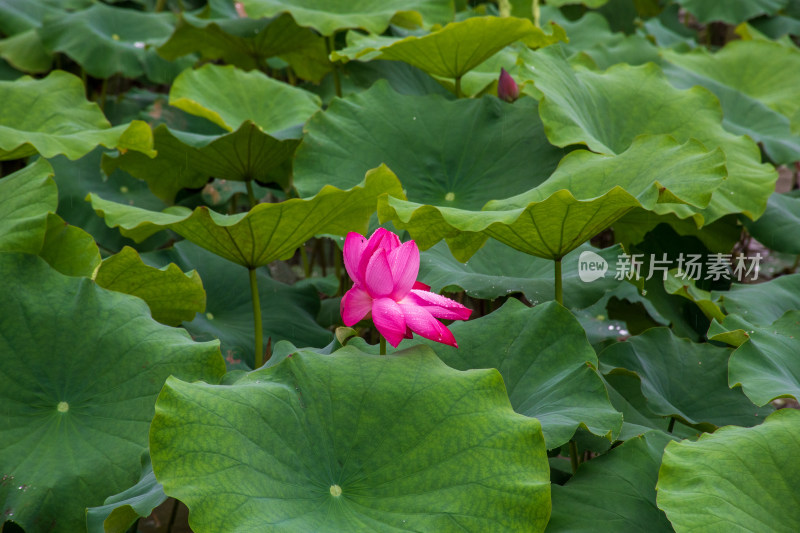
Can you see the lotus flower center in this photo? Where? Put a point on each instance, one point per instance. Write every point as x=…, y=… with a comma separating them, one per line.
x=63, y=407
x=449, y=197
x=336, y=491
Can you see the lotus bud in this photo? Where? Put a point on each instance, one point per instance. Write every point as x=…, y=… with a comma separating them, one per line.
x=507, y=88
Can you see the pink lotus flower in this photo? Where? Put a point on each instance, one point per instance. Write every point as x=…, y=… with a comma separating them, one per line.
x=384, y=273
x=507, y=88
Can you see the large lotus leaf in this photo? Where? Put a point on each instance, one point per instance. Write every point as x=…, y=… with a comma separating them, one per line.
x=608, y=110
x=75, y=179
x=51, y=116
x=26, y=52
x=498, y=270
x=26, y=196
x=742, y=479
x=762, y=303
x=268, y=231
x=272, y=105
x=455, y=49
x=749, y=107
x=288, y=312
x=17, y=17
x=766, y=366
x=78, y=384
x=547, y=364
x=173, y=297
x=731, y=11
x=187, y=160
x=682, y=379
x=779, y=227
x=328, y=16
x=584, y=196
x=680, y=284
x=121, y=510
x=247, y=43
x=616, y=490
x=69, y=249
x=352, y=441
x=107, y=40
x=451, y=153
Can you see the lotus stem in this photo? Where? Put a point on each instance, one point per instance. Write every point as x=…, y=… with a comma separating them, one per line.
x=671, y=424
x=257, y=326
x=458, y=87
x=559, y=288
x=305, y=261
x=573, y=456
x=536, y=14
x=250, y=195
x=337, y=83
x=160, y=5
x=383, y=345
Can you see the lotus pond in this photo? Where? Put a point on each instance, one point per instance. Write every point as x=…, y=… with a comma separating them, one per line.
x=399, y=265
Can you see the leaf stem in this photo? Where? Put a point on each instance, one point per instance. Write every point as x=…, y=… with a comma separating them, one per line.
x=537, y=15
x=257, y=326
x=671, y=424
x=160, y=5
x=337, y=82
x=458, y=87
x=573, y=456
x=305, y=261
x=383, y=345
x=559, y=288
x=250, y=195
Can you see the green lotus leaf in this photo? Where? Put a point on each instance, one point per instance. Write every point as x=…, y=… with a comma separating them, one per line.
x=616, y=490
x=247, y=43
x=547, y=365
x=272, y=105
x=687, y=287
x=731, y=11
x=684, y=380
x=608, y=110
x=455, y=49
x=75, y=179
x=755, y=100
x=593, y=4
x=722, y=480
x=107, y=40
x=328, y=16
x=288, y=312
x=766, y=364
x=450, y=153
x=51, y=116
x=18, y=17
x=584, y=196
x=172, y=295
x=69, y=249
x=778, y=227
x=265, y=233
x=25, y=51
x=625, y=393
x=498, y=270
x=118, y=512
x=26, y=197
x=78, y=395
x=294, y=447
x=762, y=303
x=187, y=160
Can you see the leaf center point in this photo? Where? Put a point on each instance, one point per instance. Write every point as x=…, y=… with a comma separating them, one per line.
x=62, y=407
x=336, y=491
